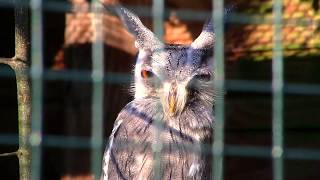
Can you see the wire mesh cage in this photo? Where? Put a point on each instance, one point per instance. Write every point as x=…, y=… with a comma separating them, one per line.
x=66, y=67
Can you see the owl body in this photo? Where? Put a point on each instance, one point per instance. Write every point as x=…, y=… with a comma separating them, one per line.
x=173, y=88
x=181, y=156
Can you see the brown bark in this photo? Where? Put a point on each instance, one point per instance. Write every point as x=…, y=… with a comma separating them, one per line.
x=20, y=65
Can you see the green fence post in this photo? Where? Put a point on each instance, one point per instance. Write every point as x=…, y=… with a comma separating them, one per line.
x=157, y=14
x=97, y=76
x=36, y=79
x=219, y=83
x=277, y=90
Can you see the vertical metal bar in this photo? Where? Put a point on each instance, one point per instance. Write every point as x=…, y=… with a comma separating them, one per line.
x=218, y=144
x=277, y=89
x=36, y=79
x=98, y=90
x=20, y=65
x=158, y=13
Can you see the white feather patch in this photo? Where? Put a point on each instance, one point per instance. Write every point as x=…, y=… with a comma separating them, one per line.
x=194, y=169
x=140, y=90
x=205, y=40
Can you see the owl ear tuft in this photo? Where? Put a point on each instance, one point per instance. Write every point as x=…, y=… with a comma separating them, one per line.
x=206, y=39
x=145, y=39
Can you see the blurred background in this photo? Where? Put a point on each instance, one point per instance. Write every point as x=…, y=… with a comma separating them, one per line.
x=68, y=36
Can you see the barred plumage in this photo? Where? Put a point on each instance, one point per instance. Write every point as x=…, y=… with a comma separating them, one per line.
x=173, y=84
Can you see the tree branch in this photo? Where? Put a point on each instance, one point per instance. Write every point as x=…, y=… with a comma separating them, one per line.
x=20, y=64
x=5, y=60
x=9, y=154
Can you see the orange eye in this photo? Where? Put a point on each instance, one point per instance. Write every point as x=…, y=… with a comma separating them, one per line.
x=146, y=74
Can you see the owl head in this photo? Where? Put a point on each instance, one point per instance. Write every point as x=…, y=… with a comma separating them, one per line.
x=176, y=75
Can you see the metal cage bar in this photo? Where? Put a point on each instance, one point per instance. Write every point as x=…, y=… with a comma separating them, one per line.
x=37, y=91
x=158, y=14
x=277, y=92
x=219, y=83
x=97, y=76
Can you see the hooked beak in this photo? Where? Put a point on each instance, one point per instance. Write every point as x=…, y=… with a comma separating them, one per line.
x=172, y=101
x=175, y=97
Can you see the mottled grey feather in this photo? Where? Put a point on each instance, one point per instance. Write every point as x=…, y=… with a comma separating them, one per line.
x=131, y=157
x=173, y=84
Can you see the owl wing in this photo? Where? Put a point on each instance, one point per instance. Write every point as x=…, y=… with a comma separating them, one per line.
x=107, y=153
x=128, y=155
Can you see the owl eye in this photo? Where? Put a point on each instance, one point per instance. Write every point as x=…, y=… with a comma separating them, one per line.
x=203, y=77
x=146, y=74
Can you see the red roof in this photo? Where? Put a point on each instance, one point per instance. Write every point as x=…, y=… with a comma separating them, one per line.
x=243, y=41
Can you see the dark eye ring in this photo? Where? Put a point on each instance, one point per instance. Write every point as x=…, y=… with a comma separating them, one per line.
x=146, y=74
x=203, y=77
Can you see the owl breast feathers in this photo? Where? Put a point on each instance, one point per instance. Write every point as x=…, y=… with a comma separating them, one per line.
x=173, y=87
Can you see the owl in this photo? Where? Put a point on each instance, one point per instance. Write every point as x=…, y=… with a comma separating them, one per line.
x=173, y=87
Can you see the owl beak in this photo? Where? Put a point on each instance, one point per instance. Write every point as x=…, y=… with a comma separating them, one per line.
x=172, y=100
x=172, y=105
x=175, y=101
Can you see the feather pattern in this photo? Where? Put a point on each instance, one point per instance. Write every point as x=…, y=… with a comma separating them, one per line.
x=131, y=155
x=172, y=84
